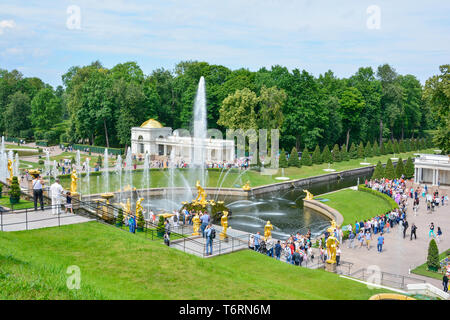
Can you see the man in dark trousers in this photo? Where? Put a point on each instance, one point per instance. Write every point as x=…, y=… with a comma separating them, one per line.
x=38, y=184
x=297, y=258
x=405, y=226
x=413, y=231
x=445, y=282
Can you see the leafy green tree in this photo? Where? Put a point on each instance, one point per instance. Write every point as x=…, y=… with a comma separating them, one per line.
x=46, y=110
x=389, y=172
x=351, y=106
x=282, y=162
x=294, y=161
x=378, y=173
x=409, y=168
x=353, y=151
x=336, y=154
x=368, y=151
x=361, y=151
x=238, y=110
x=271, y=101
x=326, y=155
x=306, y=158
x=317, y=156
x=433, y=256
x=399, y=169
x=16, y=115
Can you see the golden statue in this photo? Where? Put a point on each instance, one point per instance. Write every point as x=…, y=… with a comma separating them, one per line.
x=246, y=187
x=309, y=195
x=196, y=221
x=10, y=169
x=73, y=184
x=139, y=208
x=332, y=243
x=201, y=195
x=224, y=223
x=268, y=230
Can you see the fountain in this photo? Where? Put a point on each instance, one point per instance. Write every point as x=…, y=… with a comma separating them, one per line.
x=78, y=161
x=105, y=173
x=16, y=165
x=119, y=173
x=329, y=168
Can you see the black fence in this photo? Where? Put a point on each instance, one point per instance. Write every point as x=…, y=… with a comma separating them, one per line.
x=386, y=278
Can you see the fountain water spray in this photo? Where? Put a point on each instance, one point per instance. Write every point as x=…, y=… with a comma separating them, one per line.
x=105, y=173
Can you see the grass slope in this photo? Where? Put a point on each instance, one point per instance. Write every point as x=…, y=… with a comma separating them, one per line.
x=119, y=265
x=356, y=205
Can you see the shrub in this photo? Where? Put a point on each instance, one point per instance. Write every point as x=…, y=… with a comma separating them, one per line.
x=402, y=146
x=368, y=151
x=388, y=147
x=316, y=156
x=344, y=154
x=336, y=154
x=140, y=221
x=389, y=172
x=326, y=155
x=306, y=158
x=119, y=219
x=353, y=152
x=433, y=256
x=100, y=161
x=160, y=228
x=41, y=161
x=395, y=147
x=282, y=161
x=378, y=173
x=376, y=149
x=361, y=150
x=14, y=190
x=294, y=161
x=382, y=149
x=393, y=205
x=409, y=168
x=400, y=168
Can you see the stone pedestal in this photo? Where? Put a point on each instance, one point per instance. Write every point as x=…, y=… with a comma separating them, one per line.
x=330, y=267
x=223, y=236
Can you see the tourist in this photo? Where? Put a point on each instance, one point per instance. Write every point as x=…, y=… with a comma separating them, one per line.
x=368, y=237
x=351, y=240
x=56, y=191
x=431, y=232
x=287, y=253
x=257, y=241
x=278, y=250
x=210, y=234
x=380, y=243
x=205, y=220
x=413, y=231
x=338, y=255
x=405, y=227
x=361, y=238
x=38, y=183
x=445, y=282
x=438, y=235
x=132, y=224
x=270, y=247
x=167, y=226
x=167, y=239
x=251, y=242
x=69, y=202
x=297, y=257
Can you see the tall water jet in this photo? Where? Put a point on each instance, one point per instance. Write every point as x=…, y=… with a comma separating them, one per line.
x=16, y=165
x=105, y=173
x=55, y=170
x=128, y=173
x=119, y=173
x=78, y=161
x=88, y=176
x=146, y=181
x=47, y=164
x=199, y=122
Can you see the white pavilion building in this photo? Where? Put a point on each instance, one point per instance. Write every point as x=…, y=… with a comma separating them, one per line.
x=432, y=169
x=159, y=142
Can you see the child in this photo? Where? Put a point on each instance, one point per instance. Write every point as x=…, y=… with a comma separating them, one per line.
x=69, y=202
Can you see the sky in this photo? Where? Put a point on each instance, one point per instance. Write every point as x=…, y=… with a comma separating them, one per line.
x=45, y=38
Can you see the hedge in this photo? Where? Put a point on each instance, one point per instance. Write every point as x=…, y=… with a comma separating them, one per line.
x=98, y=149
x=379, y=194
x=42, y=143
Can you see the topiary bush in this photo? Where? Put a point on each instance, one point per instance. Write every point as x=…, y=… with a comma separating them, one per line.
x=400, y=168
x=306, y=158
x=317, y=156
x=389, y=172
x=160, y=228
x=119, y=219
x=294, y=161
x=14, y=191
x=336, y=153
x=326, y=155
x=282, y=161
x=433, y=256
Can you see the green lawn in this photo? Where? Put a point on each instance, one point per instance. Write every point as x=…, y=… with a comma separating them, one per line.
x=423, y=269
x=93, y=157
x=15, y=146
x=119, y=265
x=356, y=205
x=160, y=178
x=23, y=204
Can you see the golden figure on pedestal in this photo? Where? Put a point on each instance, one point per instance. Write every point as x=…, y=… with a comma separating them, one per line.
x=332, y=243
x=73, y=184
x=201, y=195
x=139, y=208
x=268, y=230
x=10, y=169
x=246, y=187
x=309, y=195
x=196, y=221
x=224, y=223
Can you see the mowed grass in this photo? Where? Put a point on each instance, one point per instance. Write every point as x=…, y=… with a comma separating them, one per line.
x=23, y=204
x=215, y=179
x=119, y=265
x=423, y=269
x=356, y=205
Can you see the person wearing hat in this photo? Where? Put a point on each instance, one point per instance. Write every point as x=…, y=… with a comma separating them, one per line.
x=38, y=184
x=56, y=191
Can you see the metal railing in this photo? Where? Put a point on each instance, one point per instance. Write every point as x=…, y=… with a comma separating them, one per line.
x=386, y=278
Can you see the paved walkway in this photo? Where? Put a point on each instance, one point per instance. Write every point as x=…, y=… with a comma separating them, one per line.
x=401, y=255
x=37, y=220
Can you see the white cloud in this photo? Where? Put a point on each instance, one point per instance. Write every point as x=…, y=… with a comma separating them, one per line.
x=6, y=24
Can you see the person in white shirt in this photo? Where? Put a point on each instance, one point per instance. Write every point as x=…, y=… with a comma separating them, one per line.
x=38, y=184
x=56, y=191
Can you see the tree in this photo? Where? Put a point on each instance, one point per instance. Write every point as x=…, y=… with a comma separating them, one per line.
x=238, y=110
x=336, y=154
x=353, y=152
x=16, y=115
x=409, y=168
x=399, y=169
x=433, y=256
x=389, y=172
x=306, y=158
x=326, y=155
x=396, y=147
x=361, y=151
x=271, y=101
x=317, y=156
x=351, y=105
x=378, y=173
x=14, y=190
x=294, y=161
x=282, y=162
x=401, y=146
x=119, y=218
x=376, y=149
x=46, y=110
x=389, y=149
x=344, y=154
x=368, y=151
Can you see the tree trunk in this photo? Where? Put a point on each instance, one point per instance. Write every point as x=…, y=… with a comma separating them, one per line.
x=381, y=132
x=347, y=140
x=106, y=133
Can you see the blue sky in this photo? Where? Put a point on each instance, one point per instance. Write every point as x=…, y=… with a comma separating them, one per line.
x=414, y=36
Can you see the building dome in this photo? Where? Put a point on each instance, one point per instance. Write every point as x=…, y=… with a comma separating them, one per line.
x=151, y=124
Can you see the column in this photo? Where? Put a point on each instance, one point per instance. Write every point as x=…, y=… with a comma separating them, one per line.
x=165, y=150
x=437, y=176
x=416, y=175
x=434, y=178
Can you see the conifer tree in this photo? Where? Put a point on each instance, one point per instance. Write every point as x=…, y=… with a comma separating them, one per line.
x=399, y=169
x=389, y=149
x=407, y=145
x=344, y=154
x=326, y=155
x=395, y=147
x=433, y=256
x=376, y=149
x=368, y=151
x=389, y=172
x=361, y=151
x=317, y=156
x=401, y=146
x=282, y=161
x=409, y=168
x=294, y=161
x=336, y=154
x=378, y=173
x=306, y=158
x=383, y=149
x=353, y=152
